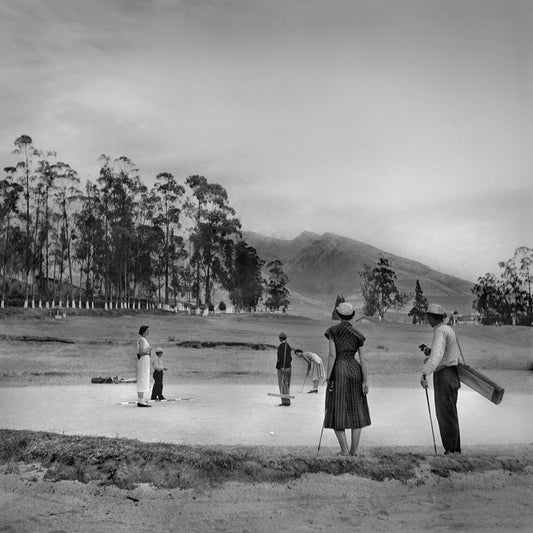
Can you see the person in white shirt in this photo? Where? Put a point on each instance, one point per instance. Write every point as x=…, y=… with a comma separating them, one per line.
x=315, y=367
x=441, y=361
x=143, y=366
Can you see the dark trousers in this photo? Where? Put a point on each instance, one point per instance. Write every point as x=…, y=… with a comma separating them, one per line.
x=446, y=386
x=284, y=383
x=157, y=389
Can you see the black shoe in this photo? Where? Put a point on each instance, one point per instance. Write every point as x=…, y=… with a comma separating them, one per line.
x=312, y=391
x=139, y=404
x=161, y=398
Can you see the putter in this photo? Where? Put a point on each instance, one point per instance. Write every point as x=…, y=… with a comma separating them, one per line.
x=302, y=389
x=431, y=421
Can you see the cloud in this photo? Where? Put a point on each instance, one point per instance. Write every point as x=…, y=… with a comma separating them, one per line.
x=349, y=116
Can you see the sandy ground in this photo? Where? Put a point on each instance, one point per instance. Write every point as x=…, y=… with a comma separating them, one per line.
x=245, y=415
x=495, y=501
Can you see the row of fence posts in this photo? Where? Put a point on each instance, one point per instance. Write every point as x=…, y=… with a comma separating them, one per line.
x=90, y=305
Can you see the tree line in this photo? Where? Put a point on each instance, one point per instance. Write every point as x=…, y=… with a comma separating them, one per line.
x=503, y=299
x=506, y=298
x=116, y=241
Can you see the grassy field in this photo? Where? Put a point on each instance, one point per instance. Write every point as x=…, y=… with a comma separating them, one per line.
x=38, y=349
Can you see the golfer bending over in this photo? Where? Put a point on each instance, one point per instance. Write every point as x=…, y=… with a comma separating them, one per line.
x=442, y=363
x=315, y=367
x=346, y=404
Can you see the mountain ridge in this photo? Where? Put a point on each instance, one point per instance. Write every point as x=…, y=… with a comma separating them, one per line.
x=321, y=266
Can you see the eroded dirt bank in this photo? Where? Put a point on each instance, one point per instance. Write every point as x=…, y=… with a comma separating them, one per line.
x=128, y=463
x=51, y=482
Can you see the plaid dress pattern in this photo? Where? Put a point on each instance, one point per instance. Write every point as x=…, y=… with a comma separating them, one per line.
x=346, y=405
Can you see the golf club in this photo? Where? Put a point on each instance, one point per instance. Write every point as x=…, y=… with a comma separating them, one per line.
x=303, y=385
x=431, y=421
x=322, y=431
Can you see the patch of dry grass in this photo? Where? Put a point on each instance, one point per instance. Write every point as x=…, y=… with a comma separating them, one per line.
x=127, y=463
x=104, y=345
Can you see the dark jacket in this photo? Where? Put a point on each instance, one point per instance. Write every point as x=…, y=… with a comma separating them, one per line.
x=284, y=356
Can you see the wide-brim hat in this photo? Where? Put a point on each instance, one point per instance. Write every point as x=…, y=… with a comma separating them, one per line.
x=436, y=309
x=345, y=311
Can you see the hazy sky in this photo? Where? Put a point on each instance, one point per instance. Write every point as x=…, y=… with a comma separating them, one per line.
x=406, y=124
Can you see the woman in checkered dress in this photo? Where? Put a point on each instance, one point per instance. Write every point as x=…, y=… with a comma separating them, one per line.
x=346, y=404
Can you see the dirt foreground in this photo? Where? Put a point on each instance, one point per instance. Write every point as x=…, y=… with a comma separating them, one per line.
x=495, y=501
x=61, y=483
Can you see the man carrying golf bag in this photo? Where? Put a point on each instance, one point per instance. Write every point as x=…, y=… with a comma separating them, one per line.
x=441, y=361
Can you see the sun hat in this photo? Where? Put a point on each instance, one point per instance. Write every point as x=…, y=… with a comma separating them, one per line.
x=159, y=350
x=436, y=309
x=345, y=311
x=282, y=335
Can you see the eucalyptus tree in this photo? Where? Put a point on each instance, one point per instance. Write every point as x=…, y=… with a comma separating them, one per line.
x=10, y=192
x=507, y=297
x=523, y=256
x=177, y=255
x=214, y=225
x=66, y=193
x=103, y=257
x=24, y=148
x=379, y=288
x=369, y=291
x=170, y=193
x=516, y=277
x=278, y=293
x=125, y=202
x=43, y=191
x=145, y=245
x=243, y=278
x=120, y=190
x=488, y=297
x=90, y=233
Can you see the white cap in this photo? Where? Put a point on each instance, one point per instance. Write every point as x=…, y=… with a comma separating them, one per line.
x=436, y=309
x=345, y=310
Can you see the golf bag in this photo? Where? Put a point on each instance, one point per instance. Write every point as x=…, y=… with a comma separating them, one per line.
x=478, y=382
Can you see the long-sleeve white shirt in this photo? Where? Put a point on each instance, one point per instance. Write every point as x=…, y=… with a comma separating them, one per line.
x=444, y=349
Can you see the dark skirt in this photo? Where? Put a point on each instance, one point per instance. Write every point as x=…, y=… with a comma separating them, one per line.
x=346, y=405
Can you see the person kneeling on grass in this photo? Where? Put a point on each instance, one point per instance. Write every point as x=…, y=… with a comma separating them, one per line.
x=157, y=389
x=315, y=367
